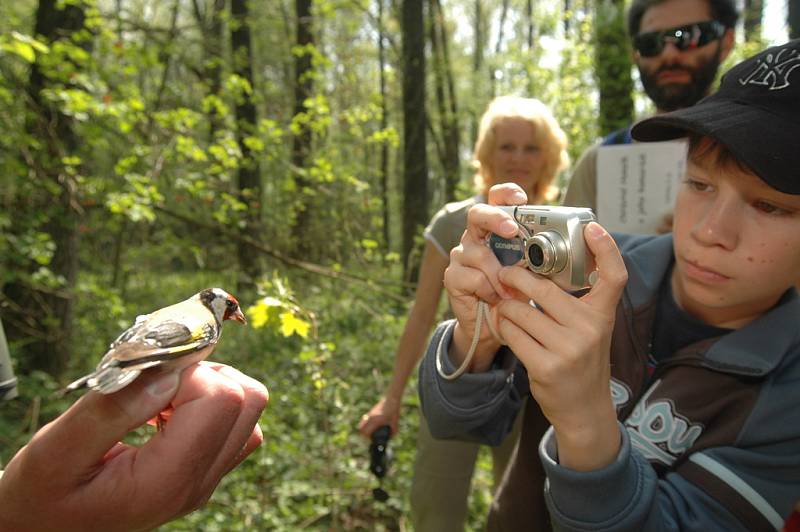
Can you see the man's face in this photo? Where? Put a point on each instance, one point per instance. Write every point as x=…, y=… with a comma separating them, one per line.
x=736, y=241
x=675, y=79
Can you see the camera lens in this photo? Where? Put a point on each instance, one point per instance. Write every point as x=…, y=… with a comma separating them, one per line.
x=536, y=255
x=546, y=253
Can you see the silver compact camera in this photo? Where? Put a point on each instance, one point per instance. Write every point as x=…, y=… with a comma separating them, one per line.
x=550, y=242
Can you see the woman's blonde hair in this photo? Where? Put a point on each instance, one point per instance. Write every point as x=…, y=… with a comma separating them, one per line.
x=548, y=136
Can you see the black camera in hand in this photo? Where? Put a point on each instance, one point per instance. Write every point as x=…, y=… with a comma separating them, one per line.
x=379, y=458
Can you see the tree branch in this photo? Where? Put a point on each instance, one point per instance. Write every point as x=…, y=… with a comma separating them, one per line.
x=303, y=265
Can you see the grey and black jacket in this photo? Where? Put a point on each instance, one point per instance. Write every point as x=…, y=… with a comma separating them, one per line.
x=710, y=440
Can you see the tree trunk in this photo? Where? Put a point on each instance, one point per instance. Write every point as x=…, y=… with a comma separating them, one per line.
x=165, y=54
x=477, y=69
x=793, y=19
x=43, y=316
x=753, y=15
x=246, y=125
x=498, y=47
x=446, y=101
x=211, y=27
x=613, y=66
x=531, y=32
x=384, y=158
x=301, y=142
x=415, y=171
x=568, y=15
x=531, y=24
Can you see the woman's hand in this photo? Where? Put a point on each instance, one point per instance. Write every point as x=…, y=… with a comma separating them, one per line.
x=385, y=412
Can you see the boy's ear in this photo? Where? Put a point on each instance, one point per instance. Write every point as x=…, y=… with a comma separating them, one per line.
x=726, y=44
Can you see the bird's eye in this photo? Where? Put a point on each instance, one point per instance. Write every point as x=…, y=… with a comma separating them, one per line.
x=231, y=305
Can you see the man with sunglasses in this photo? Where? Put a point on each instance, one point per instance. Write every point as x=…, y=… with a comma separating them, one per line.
x=678, y=46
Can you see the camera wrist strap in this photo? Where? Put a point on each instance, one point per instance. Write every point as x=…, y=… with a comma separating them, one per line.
x=482, y=313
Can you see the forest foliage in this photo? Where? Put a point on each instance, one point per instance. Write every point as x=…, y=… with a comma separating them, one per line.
x=154, y=148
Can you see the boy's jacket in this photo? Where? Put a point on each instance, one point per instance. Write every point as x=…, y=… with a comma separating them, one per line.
x=710, y=440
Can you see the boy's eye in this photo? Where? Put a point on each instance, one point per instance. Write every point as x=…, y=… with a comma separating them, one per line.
x=531, y=149
x=694, y=184
x=769, y=208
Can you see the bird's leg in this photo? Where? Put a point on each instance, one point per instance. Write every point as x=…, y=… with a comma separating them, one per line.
x=161, y=422
x=161, y=419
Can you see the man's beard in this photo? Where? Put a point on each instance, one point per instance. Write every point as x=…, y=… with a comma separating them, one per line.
x=680, y=95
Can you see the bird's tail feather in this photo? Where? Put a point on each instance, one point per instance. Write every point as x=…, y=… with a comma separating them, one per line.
x=105, y=380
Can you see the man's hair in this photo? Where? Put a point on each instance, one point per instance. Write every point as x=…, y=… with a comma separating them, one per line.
x=723, y=11
x=548, y=135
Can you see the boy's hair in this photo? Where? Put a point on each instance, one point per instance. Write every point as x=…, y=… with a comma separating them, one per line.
x=548, y=136
x=755, y=114
x=702, y=147
x=723, y=11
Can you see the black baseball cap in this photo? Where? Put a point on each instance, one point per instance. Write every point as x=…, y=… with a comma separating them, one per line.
x=755, y=114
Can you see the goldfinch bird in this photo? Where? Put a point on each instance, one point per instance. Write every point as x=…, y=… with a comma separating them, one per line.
x=171, y=338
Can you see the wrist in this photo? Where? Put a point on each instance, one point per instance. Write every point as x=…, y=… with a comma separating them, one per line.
x=483, y=355
x=589, y=445
x=393, y=399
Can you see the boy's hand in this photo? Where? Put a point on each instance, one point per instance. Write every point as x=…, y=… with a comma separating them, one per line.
x=472, y=274
x=565, y=344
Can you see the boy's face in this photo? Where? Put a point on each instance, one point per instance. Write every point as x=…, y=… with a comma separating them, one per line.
x=736, y=240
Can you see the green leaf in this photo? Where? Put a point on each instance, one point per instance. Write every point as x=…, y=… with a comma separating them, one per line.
x=24, y=50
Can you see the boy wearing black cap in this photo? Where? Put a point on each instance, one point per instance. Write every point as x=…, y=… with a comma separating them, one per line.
x=667, y=396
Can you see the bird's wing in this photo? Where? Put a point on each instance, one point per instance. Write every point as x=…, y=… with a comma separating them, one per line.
x=156, y=342
x=131, y=331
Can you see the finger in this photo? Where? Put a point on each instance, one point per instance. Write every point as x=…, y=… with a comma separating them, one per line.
x=95, y=423
x=118, y=449
x=507, y=194
x=253, y=442
x=256, y=399
x=483, y=219
x=549, y=297
x=242, y=378
x=362, y=425
x=612, y=274
x=530, y=352
x=536, y=324
x=368, y=426
x=475, y=273
x=206, y=431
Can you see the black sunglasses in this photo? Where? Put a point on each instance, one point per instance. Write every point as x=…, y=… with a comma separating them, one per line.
x=687, y=37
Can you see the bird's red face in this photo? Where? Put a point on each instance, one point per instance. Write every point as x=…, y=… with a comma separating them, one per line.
x=232, y=310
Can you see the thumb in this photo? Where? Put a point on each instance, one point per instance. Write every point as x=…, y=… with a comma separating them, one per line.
x=96, y=422
x=612, y=274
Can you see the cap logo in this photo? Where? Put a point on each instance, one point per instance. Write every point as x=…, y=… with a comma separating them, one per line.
x=773, y=69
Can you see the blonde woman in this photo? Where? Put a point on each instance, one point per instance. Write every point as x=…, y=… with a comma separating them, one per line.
x=519, y=141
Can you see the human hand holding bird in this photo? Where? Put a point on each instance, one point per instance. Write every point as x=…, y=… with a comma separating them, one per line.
x=76, y=474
